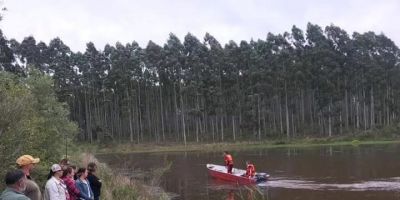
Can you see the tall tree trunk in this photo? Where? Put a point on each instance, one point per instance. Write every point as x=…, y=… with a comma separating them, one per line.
x=259, y=116
x=340, y=123
x=233, y=128
x=372, y=108
x=280, y=115
x=162, y=113
x=240, y=118
x=130, y=117
x=357, y=114
x=183, y=118
x=222, y=127
x=176, y=112
x=287, y=113
x=213, y=130
x=140, y=114
x=387, y=105
x=346, y=105
x=87, y=118
x=302, y=109
x=364, y=111
x=330, y=118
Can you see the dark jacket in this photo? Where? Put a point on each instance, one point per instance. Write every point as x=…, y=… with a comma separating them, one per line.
x=95, y=184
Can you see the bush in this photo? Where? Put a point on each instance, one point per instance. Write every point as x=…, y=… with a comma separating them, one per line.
x=32, y=121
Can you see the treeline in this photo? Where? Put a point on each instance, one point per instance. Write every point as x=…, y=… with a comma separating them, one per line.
x=321, y=82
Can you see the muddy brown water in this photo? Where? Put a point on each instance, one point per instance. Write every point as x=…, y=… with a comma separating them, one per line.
x=315, y=173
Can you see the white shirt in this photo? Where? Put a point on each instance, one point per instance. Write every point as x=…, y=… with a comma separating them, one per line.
x=55, y=190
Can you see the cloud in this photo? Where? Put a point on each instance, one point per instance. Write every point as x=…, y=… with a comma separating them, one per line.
x=78, y=22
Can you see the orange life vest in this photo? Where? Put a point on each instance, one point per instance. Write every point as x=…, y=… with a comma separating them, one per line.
x=251, y=170
x=228, y=159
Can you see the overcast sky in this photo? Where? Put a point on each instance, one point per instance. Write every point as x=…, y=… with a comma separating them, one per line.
x=77, y=22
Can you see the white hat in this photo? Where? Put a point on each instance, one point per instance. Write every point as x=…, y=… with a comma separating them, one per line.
x=55, y=168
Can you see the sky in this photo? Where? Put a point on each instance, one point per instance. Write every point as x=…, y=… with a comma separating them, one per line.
x=102, y=22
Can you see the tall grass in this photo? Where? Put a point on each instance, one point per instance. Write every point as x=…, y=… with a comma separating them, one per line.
x=120, y=187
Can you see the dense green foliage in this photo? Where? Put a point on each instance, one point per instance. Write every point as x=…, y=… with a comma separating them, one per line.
x=33, y=121
x=319, y=83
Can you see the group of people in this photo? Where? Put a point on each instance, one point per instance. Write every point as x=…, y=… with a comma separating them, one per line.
x=64, y=182
x=250, y=168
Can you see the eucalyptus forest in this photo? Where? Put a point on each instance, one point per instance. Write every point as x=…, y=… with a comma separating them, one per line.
x=321, y=82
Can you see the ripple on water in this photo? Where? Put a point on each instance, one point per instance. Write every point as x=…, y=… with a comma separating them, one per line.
x=390, y=184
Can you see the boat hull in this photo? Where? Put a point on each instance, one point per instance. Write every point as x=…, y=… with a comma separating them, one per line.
x=220, y=172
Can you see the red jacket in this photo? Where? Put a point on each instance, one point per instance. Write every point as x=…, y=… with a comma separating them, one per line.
x=73, y=191
x=251, y=170
x=228, y=159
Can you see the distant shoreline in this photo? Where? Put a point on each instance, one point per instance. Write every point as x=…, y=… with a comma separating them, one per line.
x=209, y=147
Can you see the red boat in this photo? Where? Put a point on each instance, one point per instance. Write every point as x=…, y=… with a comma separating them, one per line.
x=220, y=172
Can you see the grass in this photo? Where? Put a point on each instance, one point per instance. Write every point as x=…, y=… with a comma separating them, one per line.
x=116, y=186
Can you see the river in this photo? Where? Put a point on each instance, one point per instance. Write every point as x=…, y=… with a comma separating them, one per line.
x=313, y=173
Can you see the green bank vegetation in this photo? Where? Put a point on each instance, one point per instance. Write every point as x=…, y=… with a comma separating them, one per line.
x=34, y=122
x=298, y=143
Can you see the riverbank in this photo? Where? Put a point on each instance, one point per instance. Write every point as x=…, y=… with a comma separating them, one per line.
x=177, y=147
x=118, y=186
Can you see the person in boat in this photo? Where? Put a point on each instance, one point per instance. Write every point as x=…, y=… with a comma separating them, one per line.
x=250, y=170
x=228, y=161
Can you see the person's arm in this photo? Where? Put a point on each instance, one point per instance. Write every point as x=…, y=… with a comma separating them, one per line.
x=226, y=160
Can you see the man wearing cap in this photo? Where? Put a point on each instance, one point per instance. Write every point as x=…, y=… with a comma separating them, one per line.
x=26, y=163
x=16, y=184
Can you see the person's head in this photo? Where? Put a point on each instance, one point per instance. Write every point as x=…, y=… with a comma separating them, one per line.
x=16, y=179
x=55, y=171
x=27, y=162
x=248, y=162
x=68, y=171
x=73, y=168
x=64, y=163
x=82, y=173
x=226, y=153
x=92, y=167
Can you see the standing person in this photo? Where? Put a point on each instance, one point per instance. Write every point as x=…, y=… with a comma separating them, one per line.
x=55, y=188
x=250, y=169
x=228, y=161
x=83, y=185
x=95, y=182
x=26, y=163
x=68, y=178
x=16, y=184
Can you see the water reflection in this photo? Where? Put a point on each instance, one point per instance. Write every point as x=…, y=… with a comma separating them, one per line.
x=247, y=195
x=238, y=192
x=390, y=184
